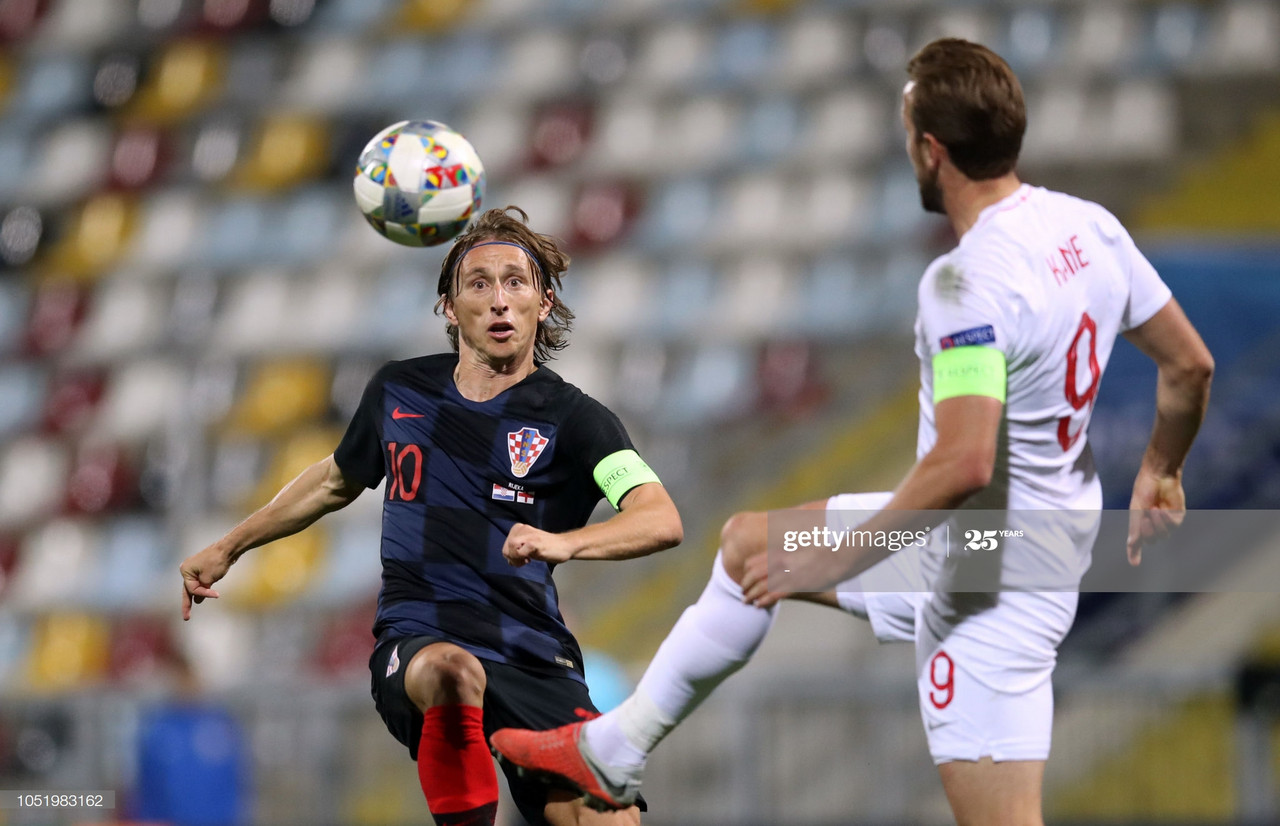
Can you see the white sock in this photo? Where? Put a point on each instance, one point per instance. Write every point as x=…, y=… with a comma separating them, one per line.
x=713, y=638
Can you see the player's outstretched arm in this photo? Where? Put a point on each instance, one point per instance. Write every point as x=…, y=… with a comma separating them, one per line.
x=318, y=490
x=1185, y=371
x=647, y=521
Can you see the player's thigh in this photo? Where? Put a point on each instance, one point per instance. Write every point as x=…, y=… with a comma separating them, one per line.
x=563, y=809
x=990, y=793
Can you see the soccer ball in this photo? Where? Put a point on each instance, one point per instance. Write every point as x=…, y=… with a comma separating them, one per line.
x=418, y=182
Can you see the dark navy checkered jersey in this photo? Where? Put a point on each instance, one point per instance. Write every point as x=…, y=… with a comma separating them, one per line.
x=459, y=475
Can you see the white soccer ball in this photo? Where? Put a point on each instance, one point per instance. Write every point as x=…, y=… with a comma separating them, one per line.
x=418, y=182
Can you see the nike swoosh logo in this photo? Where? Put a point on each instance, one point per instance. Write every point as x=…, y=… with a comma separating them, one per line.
x=396, y=414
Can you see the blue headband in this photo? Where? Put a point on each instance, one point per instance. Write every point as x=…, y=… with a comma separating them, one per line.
x=527, y=252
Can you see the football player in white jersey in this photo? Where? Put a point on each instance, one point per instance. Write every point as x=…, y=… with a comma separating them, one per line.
x=1014, y=330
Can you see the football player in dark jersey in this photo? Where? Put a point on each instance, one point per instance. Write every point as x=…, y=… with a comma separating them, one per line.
x=493, y=465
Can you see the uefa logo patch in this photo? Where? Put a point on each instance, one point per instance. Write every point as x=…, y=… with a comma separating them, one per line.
x=524, y=446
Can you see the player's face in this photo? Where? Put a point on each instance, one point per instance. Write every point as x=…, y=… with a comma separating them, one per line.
x=918, y=152
x=496, y=305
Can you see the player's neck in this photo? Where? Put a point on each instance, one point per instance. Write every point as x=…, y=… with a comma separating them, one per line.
x=479, y=380
x=966, y=198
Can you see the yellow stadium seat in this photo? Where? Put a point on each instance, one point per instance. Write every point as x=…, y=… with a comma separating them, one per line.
x=286, y=151
x=68, y=651
x=431, y=15
x=6, y=80
x=282, y=570
x=98, y=238
x=767, y=6
x=281, y=395
x=296, y=454
x=187, y=77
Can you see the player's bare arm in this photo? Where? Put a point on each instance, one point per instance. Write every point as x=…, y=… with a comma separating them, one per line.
x=318, y=490
x=1185, y=371
x=647, y=522
x=959, y=465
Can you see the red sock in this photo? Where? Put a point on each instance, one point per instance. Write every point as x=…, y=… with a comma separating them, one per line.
x=454, y=766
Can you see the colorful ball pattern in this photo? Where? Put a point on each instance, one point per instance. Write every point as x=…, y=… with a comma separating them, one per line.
x=418, y=182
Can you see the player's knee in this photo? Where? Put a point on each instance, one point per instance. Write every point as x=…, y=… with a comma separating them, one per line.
x=743, y=536
x=443, y=673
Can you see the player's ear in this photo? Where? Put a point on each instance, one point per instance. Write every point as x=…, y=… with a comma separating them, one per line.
x=548, y=301
x=446, y=306
x=934, y=151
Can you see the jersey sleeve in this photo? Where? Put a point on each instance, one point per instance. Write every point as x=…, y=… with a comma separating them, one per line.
x=599, y=444
x=359, y=454
x=1147, y=291
x=963, y=306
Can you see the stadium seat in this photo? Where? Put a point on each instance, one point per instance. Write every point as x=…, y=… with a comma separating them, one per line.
x=465, y=67
x=54, y=314
x=126, y=316
x=286, y=151
x=330, y=311
x=627, y=137
x=707, y=385
x=673, y=55
x=1142, y=124
x=833, y=207
x=222, y=645
x=1032, y=41
x=1244, y=36
x=899, y=202
x=15, y=151
x=139, y=158
x=610, y=283
x=847, y=124
x=834, y=302
x=432, y=15
x=70, y=162
x=642, y=377
x=771, y=129
x=255, y=315
x=14, y=301
x=234, y=234
x=326, y=74
x=102, y=479
x=15, y=646
x=603, y=214
x=345, y=644
x=55, y=564
x=537, y=64
x=306, y=226
x=1059, y=120
x=51, y=86
x=971, y=23
x=279, y=395
x=1177, y=34
x=68, y=651
x=499, y=133
x=1103, y=38
x=756, y=206
x=73, y=398
x=98, y=237
x=142, y=397
x=143, y=654
x=217, y=148
x=559, y=134
x=703, y=127
x=22, y=391
x=394, y=73
x=255, y=70
x=83, y=24
x=745, y=53
x=816, y=45
x=170, y=224
x=353, y=569
x=185, y=77
x=679, y=213
x=284, y=570
x=688, y=291
x=400, y=305
x=547, y=200
x=134, y=567
x=20, y=20
x=757, y=300
x=222, y=16
x=353, y=17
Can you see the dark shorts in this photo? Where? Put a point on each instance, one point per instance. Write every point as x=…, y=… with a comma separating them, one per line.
x=513, y=698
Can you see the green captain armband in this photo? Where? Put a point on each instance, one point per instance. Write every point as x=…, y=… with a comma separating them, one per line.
x=619, y=472
x=969, y=371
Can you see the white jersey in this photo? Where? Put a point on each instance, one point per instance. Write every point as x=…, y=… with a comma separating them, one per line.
x=1050, y=281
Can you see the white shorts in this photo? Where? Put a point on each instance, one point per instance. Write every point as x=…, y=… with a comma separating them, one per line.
x=984, y=662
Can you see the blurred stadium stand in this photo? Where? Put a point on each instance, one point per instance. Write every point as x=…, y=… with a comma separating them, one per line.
x=190, y=305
